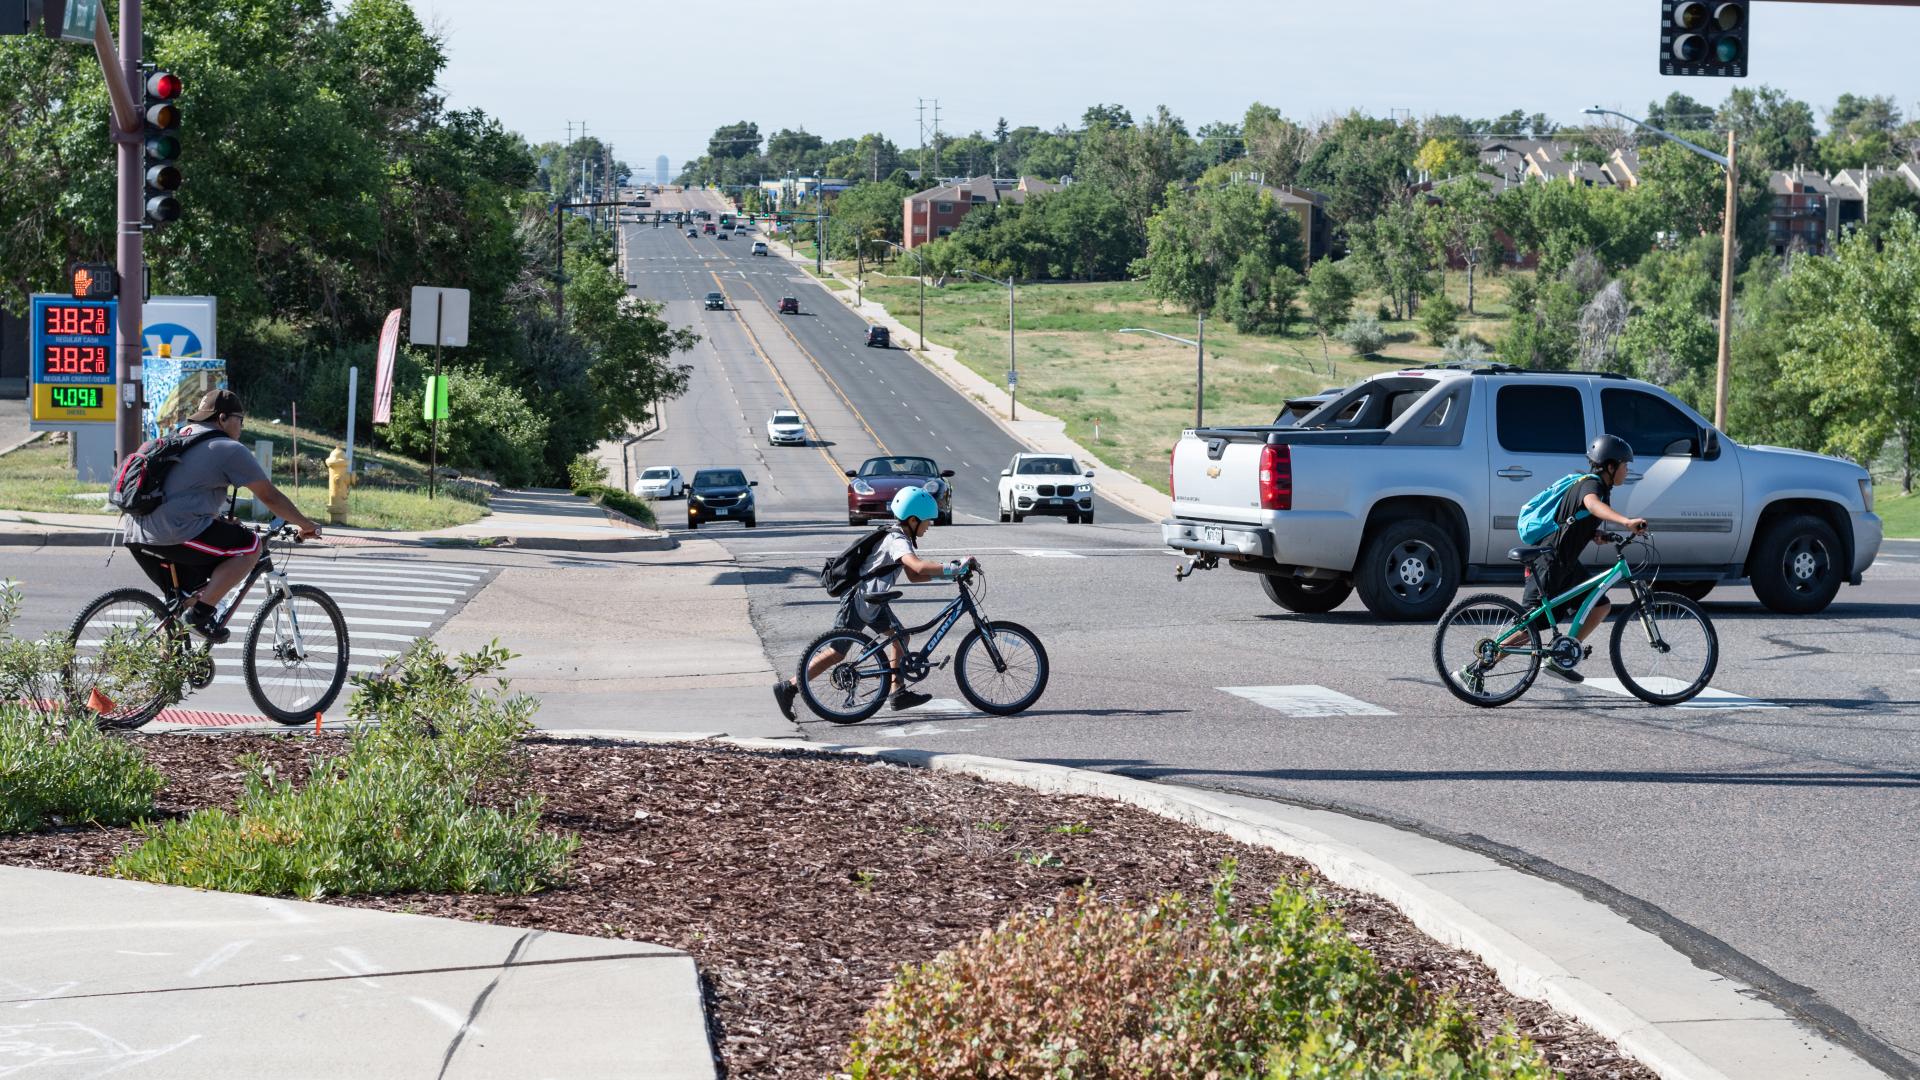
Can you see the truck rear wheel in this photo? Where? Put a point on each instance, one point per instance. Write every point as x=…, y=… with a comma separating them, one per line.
x=1305, y=596
x=1409, y=571
x=1796, y=565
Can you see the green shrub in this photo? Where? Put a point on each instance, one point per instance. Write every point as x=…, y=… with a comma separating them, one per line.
x=586, y=471
x=56, y=767
x=1439, y=317
x=1465, y=349
x=397, y=812
x=1097, y=990
x=1364, y=335
x=633, y=506
x=489, y=427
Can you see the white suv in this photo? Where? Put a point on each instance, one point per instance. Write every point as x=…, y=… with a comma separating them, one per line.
x=786, y=428
x=660, y=482
x=1051, y=484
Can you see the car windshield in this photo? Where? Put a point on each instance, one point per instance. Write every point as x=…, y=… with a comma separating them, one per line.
x=1047, y=466
x=786, y=418
x=713, y=296
x=898, y=466
x=655, y=474
x=712, y=478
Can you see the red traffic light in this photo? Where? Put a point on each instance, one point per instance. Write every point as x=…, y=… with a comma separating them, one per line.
x=163, y=85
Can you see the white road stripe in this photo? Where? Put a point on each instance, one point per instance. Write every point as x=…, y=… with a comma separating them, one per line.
x=1710, y=698
x=252, y=604
x=389, y=592
x=422, y=601
x=1047, y=553
x=460, y=577
x=1301, y=702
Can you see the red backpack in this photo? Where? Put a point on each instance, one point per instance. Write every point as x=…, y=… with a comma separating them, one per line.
x=138, y=482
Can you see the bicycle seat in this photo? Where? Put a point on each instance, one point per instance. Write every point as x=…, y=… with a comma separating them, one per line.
x=883, y=598
x=1525, y=554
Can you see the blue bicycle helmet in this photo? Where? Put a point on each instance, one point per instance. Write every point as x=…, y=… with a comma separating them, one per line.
x=915, y=502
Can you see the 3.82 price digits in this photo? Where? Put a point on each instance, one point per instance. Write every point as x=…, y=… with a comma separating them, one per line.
x=76, y=360
x=74, y=320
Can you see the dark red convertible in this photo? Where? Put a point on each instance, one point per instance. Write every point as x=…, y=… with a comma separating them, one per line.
x=870, y=488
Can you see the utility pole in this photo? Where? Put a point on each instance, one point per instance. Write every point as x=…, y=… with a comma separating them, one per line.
x=936, y=138
x=1722, y=370
x=131, y=258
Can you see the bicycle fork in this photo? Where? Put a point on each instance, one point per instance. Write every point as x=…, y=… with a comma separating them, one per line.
x=1645, y=598
x=287, y=642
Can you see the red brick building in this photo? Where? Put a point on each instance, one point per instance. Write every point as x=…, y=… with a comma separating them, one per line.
x=934, y=213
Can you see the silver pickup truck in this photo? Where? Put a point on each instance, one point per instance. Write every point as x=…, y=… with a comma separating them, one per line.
x=1410, y=483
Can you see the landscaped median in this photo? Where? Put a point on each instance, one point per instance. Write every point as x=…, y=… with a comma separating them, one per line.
x=848, y=914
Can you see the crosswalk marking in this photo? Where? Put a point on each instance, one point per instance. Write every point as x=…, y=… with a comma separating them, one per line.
x=347, y=567
x=1710, y=698
x=253, y=604
x=1051, y=553
x=331, y=583
x=1306, y=701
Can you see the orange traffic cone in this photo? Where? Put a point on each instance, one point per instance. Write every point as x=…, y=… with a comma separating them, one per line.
x=100, y=703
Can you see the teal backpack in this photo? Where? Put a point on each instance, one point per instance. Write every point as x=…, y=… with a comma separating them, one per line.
x=1537, y=521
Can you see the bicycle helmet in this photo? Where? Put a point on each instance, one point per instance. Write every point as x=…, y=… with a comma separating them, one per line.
x=915, y=502
x=1607, y=449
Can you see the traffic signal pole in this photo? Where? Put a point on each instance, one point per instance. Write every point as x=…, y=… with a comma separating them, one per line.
x=130, y=206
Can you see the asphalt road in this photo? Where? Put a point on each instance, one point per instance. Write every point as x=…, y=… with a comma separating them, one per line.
x=1768, y=830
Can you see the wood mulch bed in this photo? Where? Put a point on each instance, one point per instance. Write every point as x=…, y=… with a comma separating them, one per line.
x=801, y=882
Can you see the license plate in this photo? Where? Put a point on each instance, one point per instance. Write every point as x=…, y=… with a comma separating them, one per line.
x=1213, y=535
x=719, y=511
x=1056, y=502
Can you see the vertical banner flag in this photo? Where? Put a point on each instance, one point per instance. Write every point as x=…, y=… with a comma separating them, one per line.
x=383, y=369
x=434, y=406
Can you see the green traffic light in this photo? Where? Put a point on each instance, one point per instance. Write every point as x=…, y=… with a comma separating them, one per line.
x=1727, y=49
x=163, y=147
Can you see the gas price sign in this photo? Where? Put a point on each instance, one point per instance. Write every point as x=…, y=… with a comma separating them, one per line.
x=73, y=365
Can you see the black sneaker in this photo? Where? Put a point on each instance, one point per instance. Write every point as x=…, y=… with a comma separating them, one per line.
x=783, y=692
x=1563, y=673
x=909, y=699
x=202, y=620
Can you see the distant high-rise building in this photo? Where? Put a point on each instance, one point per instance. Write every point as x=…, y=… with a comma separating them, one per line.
x=660, y=175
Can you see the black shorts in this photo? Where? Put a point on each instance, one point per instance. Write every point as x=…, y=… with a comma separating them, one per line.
x=1546, y=578
x=195, y=559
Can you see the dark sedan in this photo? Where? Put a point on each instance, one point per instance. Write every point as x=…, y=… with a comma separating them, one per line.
x=871, y=488
x=721, y=495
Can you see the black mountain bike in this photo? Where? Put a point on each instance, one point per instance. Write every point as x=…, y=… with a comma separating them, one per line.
x=1001, y=666
x=294, y=655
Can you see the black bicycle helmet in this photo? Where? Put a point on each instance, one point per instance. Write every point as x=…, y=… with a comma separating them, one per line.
x=1608, y=449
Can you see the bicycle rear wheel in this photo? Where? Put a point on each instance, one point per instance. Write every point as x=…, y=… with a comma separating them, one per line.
x=1010, y=686
x=851, y=688
x=1664, y=649
x=296, y=655
x=1466, y=651
x=105, y=676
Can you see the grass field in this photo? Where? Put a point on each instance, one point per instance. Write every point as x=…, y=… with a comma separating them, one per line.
x=391, y=493
x=1899, y=514
x=1139, y=389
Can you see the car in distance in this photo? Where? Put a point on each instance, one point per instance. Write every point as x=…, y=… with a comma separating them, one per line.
x=722, y=236
x=759, y=247
x=785, y=428
x=707, y=228
x=660, y=482
x=871, y=487
x=716, y=302
x=878, y=338
x=721, y=495
x=693, y=234
x=1050, y=484
x=789, y=305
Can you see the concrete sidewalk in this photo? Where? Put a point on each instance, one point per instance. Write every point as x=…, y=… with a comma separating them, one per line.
x=541, y=519
x=100, y=977
x=1042, y=433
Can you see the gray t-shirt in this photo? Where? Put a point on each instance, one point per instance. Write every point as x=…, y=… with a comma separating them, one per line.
x=196, y=491
x=892, y=549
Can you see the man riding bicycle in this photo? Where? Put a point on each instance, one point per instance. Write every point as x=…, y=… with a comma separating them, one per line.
x=190, y=528
x=915, y=511
x=1583, y=508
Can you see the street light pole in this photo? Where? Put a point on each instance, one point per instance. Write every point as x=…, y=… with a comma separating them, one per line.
x=1013, y=365
x=1724, y=365
x=1199, y=365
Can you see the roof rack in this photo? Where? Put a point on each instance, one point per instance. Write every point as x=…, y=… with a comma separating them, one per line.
x=1515, y=369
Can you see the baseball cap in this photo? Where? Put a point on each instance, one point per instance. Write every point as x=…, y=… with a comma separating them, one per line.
x=216, y=403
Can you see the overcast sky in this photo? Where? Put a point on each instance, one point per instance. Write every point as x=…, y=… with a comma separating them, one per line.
x=657, y=78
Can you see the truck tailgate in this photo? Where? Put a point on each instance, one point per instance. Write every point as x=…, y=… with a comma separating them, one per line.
x=1217, y=478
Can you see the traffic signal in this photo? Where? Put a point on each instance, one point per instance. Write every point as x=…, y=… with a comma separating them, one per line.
x=1704, y=37
x=161, y=109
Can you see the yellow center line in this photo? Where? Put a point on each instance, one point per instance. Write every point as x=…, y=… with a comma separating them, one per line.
x=839, y=470
x=808, y=353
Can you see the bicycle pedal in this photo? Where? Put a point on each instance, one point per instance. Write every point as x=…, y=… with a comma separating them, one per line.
x=1586, y=652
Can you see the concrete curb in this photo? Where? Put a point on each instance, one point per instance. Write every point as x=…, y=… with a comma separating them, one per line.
x=28, y=441
x=1545, y=941
x=991, y=400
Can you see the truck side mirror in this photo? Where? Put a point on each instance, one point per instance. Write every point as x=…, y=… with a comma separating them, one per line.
x=1088, y=474
x=1709, y=443
x=1006, y=472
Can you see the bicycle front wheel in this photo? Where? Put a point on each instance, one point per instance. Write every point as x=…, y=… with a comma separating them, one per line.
x=1665, y=649
x=107, y=674
x=1468, y=651
x=853, y=683
x=1007, y=683
x=296, y=655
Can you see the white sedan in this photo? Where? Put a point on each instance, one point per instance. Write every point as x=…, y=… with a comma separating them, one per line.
x=1051, y=484
x=786, y=428
x=660, y=482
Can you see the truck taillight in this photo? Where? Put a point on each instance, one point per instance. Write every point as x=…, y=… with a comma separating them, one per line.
x=1173, y=453
x=1276, y=478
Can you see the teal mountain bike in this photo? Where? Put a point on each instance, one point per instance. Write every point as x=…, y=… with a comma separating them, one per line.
x=1489, y=648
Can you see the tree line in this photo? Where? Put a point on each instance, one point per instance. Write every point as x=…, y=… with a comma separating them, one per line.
x=325, y=178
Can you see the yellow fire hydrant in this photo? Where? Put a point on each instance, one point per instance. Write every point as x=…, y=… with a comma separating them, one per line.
x=338, y=481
